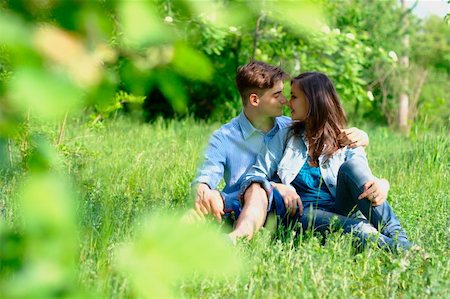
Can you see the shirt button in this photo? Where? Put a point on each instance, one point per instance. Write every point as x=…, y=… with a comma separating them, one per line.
x=331, y=185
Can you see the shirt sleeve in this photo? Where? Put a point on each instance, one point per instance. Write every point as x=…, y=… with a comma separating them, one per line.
x=356, y=153
x=266, y=163
x=212, y=169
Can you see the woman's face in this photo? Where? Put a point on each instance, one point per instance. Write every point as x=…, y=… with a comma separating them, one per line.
x=298, y=103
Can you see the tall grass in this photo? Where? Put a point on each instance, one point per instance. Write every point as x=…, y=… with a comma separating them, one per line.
x=123, y=169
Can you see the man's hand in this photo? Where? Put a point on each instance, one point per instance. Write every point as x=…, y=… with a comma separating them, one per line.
x=208, y=201
x=375, y=191
x=353, y=137
x=291, y=198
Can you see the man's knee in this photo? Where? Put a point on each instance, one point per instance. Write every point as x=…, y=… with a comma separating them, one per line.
x=255, y=195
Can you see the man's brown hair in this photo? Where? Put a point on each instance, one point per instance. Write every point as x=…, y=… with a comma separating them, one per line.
x=256, y=76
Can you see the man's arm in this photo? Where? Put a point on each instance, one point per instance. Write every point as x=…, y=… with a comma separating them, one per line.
x=207, y=199
x=212, y=169
x=266, y=163
x=353, y=137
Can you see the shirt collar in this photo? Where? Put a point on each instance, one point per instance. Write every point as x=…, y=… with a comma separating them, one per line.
x=248, y=129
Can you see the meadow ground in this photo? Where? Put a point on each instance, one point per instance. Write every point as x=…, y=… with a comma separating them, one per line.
x=123, y=169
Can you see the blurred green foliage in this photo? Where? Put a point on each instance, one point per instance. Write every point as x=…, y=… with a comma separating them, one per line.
x=431, y=45
x=57, y=58
x=182, y=55
x=380, y=28
x=62, y=59
x=433, y=109
x=430, y=50
x=158, y=258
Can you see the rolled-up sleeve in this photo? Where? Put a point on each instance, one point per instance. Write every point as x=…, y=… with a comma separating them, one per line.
x=266, y=164
x=356, y=153
x=212, y=169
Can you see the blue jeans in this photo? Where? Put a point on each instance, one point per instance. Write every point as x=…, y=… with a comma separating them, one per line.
x=232, y=205
x=321, y=218
x=350, y=184
x=381, y=224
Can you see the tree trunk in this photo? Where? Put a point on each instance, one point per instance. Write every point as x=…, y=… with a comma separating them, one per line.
x=404, y=64
x=414, y=101
x=256, y=35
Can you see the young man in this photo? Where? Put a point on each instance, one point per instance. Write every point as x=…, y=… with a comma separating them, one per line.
x=233, y=148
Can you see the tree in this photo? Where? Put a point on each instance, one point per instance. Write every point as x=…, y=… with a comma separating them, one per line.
x=404, y=63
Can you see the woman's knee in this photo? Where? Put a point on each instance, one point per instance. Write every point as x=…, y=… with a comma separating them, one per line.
x=356, y=169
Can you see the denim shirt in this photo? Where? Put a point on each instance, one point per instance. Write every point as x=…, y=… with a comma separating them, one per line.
x=287, y=158
x=232, y=151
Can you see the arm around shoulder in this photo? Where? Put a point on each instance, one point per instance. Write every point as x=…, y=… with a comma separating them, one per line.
x=354, y=137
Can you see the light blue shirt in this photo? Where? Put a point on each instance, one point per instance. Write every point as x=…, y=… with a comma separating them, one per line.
x=285, y=156
x=232, y=151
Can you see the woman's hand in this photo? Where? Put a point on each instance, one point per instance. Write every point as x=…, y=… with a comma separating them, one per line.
x=375, y=191
x=291, y=198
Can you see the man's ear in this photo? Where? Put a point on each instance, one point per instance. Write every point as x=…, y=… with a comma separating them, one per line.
x=253, y=99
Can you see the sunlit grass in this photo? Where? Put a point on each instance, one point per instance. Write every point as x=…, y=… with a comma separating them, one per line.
x=124, y=169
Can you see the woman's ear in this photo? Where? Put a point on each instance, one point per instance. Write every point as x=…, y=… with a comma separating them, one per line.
x=253, y=99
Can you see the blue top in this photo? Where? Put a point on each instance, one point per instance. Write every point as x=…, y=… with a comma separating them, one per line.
x=310, y=186
x=232, y=151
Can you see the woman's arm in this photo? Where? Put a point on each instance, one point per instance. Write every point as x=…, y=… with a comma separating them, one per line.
x=290, y=197
x=375, y=190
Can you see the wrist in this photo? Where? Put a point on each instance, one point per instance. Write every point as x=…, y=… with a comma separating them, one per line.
x=279, y=186
x=222, y=196
x=203, y=186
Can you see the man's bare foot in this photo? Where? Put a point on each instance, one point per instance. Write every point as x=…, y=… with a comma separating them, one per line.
x=232, y=239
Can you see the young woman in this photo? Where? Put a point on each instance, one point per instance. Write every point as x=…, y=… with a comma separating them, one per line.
x=323, y=180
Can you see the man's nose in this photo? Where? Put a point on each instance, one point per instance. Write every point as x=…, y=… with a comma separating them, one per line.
x=283, y=100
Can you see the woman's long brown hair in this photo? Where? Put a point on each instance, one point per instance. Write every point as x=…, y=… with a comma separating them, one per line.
x=325, y=117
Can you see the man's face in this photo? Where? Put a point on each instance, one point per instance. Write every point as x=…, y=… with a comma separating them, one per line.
x=272, y=100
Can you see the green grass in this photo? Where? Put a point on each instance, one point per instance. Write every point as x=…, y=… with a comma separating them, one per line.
x=123, y=169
